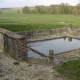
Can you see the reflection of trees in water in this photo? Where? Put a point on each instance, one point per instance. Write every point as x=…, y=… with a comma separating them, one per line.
x=70, y=39
x=64, y=38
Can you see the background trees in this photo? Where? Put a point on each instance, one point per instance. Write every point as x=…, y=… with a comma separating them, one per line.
x=26, y=10
x=53, y=9
x=0, y=11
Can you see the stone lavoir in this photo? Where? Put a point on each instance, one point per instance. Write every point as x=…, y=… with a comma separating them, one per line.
x=15, y=44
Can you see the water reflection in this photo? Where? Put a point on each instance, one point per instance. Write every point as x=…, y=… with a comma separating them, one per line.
x=58, y=45
x=64, y=38
x=69, y=39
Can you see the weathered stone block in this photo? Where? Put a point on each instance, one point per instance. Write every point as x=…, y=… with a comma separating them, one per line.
x=13, y=44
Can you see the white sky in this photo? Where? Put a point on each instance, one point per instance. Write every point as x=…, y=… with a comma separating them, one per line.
x=22, y=3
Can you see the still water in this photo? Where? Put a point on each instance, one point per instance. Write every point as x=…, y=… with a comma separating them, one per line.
x=58, y=45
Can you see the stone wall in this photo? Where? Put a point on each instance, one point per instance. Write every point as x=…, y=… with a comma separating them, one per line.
x=74, y=31
x=13, y=44
x=44, y=33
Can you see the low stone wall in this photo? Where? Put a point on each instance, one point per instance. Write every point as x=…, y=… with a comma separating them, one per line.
x=13, y=44
x=74, y=31
x=66, y=56
x=44, y=33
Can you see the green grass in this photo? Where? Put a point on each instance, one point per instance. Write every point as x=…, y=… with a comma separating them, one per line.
x=40, y=79
x=16, y=63
x=70, y=69
x=30, y=65
x=16, y=79
x=1, y=75
x=6, y=79
x=9, y=19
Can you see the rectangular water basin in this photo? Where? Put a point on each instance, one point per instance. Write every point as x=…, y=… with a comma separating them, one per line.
x=58, y=45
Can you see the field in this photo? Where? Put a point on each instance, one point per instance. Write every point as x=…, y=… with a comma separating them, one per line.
x=11, y=20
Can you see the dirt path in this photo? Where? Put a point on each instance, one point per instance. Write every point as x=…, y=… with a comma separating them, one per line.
x=25, y=71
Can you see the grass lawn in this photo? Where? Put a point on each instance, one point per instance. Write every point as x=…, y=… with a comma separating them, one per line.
x=9, y=19
x=70, y=69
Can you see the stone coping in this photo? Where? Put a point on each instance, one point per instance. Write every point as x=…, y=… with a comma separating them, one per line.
x=10, y=34
x=44, y=39
x=67, y=51
x=52, y=37
x=75, y=37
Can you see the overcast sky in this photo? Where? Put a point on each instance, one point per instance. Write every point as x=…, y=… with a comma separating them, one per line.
x=22, y=3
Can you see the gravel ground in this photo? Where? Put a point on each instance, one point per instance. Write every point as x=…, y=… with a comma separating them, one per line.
x=26, y=71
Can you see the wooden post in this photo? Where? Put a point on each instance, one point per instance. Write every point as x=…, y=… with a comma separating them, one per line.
x=51, y=56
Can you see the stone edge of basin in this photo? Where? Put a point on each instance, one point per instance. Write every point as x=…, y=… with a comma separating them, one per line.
x=11, y=34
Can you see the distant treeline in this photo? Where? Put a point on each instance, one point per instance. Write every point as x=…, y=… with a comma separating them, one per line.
x=6, y=8
x=53, y=9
